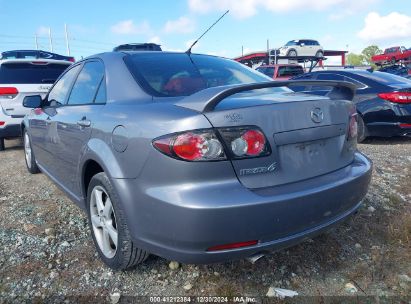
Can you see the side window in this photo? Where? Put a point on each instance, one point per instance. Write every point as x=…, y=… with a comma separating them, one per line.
x=59, y=92
x=359, y=85
x=302, y=77
x=87, y=83
x=327, y=76
x=101, y=96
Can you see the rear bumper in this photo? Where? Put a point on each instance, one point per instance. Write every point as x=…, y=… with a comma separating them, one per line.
x=180, y=222
x=10, y=131
x=393, y=120
x=389, y=129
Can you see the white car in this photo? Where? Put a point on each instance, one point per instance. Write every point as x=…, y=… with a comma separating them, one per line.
x=20, y=78
x=302, y=47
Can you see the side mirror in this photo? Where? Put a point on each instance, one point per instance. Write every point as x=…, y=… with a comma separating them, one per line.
x=32, y=102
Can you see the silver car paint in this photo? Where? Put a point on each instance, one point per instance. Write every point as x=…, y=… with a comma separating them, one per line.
x=178, y=209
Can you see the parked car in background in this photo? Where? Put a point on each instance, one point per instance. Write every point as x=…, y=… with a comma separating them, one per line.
x=137, y=47
x=281, y=71
x=396, y=70
x=34, y=54
x=20, y=78
x=383, y=100
x=171, y=153
x=392, y=55
x=302, y=47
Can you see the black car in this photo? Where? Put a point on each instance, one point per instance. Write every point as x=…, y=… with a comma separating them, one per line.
x=34, y=54
x=396, y=70
x=137, y=47
x=383, y=100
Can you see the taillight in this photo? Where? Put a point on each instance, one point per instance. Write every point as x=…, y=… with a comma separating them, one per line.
x=203, y=145
x=396, y=97
x=233, y=246
x=8, y=92
x=353, y=126
x=2, y=123
x=192, y=146
x=39, y=62
x=71, y=59
x=245, y=142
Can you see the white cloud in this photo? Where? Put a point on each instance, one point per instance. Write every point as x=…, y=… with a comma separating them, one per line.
x=182, y=25
x=386, y=28
x=155, y=39
x=128, y=27
x=42, y=31
x=248, y=8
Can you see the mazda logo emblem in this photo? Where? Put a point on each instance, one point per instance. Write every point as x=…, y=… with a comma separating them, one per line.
x=317, y=115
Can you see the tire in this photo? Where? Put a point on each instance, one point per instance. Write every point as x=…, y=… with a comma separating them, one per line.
x=29, y=155
x=319, y=54
x=362, y=129
x=2, y=147
x=108, y=226
x=392, y=61
x=292, y=53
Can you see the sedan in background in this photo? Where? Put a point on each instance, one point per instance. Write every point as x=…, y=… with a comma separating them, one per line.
x=383, y=100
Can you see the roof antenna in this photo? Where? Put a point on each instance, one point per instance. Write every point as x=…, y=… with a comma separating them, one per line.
x=195, y=42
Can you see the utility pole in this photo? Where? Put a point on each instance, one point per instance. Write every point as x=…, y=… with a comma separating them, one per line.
x=67, y=40
x=51, y=40
x=242, y=50
x=36, y=42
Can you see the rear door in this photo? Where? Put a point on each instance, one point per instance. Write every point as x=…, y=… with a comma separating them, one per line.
x=29, y=78
x=302, y=145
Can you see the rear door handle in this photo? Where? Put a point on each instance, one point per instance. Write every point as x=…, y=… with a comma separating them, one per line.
x=84, y=123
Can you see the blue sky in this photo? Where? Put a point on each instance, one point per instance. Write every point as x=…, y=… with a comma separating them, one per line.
x=99, y=26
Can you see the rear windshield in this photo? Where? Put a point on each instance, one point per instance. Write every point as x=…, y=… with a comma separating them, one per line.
x=290, y=71
x=178, y=74
x=269, y=71
x=27, y=73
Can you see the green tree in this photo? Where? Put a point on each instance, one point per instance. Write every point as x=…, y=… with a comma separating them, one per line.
x=370, y=51
x=355, y=59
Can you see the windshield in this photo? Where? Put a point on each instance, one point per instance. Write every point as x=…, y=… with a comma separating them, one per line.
x=292, y=42
x=27, y=73
x=177, y=74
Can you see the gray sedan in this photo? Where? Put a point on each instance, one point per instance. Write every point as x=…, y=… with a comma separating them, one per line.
x=195, y=158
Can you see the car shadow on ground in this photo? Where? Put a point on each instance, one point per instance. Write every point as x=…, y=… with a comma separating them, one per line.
x=387, y=140
x=13, y=144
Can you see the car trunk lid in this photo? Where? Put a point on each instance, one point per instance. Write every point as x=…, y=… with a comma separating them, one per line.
x=303, y=145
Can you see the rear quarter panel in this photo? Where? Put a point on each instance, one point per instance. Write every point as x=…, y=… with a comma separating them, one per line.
x=140, y=123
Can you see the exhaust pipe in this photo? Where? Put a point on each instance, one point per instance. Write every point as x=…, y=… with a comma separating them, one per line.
x=255, y=257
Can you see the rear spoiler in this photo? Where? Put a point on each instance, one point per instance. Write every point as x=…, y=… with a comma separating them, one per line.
x=207, y=99
x=34, y=60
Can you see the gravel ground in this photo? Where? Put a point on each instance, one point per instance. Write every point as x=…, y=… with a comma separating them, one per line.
x=46, y=249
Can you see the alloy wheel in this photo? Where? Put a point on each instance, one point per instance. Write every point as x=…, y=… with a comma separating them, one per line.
x=103, y=220
x=27, y=149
